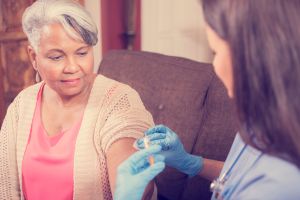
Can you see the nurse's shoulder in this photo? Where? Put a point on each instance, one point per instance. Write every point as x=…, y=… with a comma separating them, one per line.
x=271, y=178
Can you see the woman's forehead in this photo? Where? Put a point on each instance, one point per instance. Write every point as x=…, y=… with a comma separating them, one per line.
x=53, y=30
x=55, y=36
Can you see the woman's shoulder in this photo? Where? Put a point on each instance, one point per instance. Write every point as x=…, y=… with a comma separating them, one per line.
x=25, y=100
x=31, y=90
x=279, y=170
x=28, y=93
x=112, y=85
x=271, y=178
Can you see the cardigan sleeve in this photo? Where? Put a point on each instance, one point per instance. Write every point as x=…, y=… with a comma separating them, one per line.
x=9, y=183
x=126, y=117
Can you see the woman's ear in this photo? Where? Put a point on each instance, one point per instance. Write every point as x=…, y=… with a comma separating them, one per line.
x=32, y=56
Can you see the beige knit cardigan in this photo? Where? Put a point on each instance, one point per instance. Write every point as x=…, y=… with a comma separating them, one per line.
x=113, y=111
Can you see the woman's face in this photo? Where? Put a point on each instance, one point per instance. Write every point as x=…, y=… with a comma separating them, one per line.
x=64, y=64
x=222, y=59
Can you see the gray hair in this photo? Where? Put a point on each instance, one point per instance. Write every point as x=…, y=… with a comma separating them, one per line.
x=76, y=21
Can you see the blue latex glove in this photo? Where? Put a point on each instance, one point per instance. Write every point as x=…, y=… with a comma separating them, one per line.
x=173, y=150
x=135, y=173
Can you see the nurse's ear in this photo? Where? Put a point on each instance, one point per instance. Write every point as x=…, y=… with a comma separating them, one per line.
x=32, y=56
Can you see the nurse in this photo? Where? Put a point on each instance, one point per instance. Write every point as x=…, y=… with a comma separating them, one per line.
x=257, y=57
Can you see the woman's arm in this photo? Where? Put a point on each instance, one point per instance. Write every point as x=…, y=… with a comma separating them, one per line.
x=9, y=187
x=211, y=169
x=116, y=154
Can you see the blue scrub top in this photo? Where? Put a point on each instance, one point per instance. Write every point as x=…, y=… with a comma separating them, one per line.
x=259, y=176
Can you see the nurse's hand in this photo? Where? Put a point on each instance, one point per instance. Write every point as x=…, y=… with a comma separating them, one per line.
x=135, y=173
x=173, y=150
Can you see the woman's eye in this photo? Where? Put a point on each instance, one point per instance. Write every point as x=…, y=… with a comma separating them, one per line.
x=82, y=53
x=55, y=58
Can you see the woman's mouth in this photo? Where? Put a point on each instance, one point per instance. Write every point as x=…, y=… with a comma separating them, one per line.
x=71, y=82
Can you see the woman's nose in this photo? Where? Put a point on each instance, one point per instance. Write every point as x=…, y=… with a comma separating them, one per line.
x=71, y=66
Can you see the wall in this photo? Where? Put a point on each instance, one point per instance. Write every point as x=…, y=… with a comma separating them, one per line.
x=175, y=27
x=172, y=27
x=94, y=8
x=120, y=25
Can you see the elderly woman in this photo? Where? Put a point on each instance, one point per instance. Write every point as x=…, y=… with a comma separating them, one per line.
x=257, y=57
x=64, y=137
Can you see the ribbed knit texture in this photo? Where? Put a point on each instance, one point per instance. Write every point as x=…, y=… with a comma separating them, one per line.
x=114, y=111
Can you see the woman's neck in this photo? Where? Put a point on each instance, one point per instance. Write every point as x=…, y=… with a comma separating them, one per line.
x=65, y=101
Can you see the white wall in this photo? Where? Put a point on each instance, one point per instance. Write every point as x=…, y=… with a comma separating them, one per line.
x=94, y=8
x=175, y=27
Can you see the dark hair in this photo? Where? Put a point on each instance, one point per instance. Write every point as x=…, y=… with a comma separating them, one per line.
x=264, y=39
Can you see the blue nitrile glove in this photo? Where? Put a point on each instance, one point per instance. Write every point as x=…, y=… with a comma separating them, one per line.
x=173, y=150
x=135, y=173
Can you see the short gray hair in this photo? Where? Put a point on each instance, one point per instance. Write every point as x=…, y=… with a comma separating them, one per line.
x=76, y=21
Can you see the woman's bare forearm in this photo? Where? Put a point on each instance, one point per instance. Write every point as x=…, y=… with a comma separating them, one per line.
x=211, y=169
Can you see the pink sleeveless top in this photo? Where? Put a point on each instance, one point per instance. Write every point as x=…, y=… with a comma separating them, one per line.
x=47, y=169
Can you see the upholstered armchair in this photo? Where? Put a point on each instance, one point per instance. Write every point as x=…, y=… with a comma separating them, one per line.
x=186, y=96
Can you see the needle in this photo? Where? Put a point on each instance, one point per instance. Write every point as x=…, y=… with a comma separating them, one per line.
x=147, y=145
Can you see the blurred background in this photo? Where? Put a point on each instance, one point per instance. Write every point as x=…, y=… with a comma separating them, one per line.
x=171, y=27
